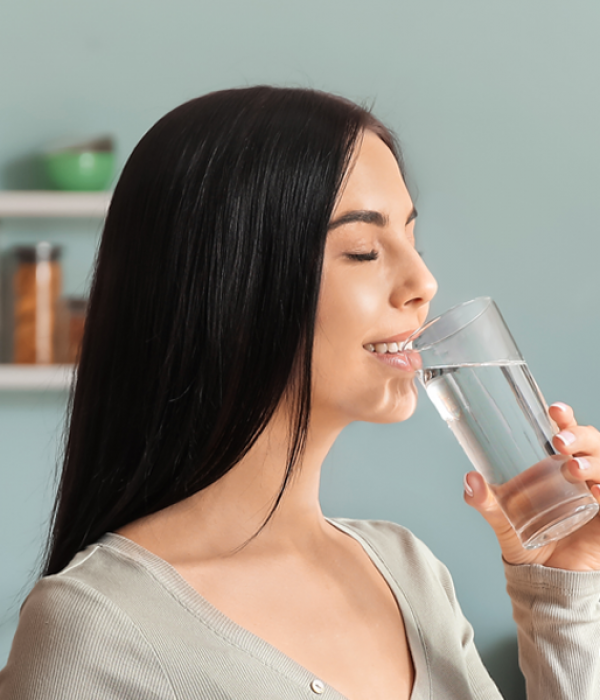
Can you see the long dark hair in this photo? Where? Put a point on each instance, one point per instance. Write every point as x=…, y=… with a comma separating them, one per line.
x=203, y=302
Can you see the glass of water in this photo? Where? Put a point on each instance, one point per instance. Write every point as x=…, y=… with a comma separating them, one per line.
x=480, y=384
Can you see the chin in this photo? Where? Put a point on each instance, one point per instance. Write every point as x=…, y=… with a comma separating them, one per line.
x=396, y=416
x=402, y=409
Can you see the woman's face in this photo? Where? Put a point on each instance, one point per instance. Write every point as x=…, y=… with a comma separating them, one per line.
x=375, y=291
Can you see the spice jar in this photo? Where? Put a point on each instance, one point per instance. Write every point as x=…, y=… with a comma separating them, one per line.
x=37, y=280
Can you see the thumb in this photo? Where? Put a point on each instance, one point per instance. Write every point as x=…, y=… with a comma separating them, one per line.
x=479, y=496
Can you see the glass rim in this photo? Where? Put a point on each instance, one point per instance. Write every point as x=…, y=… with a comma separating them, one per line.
x=487, y=302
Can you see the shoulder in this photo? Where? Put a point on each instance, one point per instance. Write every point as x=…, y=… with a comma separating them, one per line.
x=79, y=604
x=89, y=587
x=399, y=550
x=82, y=589
x=73, y=637
x=112, y=580
x=66, y=609
x=387, y=537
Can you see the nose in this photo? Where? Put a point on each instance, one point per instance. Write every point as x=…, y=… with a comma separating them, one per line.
x=414, y=285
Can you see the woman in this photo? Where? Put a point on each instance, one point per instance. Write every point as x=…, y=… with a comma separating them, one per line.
x=256, y=275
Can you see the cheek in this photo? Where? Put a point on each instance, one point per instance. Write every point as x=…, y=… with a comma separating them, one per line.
x=349, y=310
x=339, y=334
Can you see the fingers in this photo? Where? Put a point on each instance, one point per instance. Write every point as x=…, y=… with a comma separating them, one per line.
x=580, y=442
x=583, y=445
x=562, y=415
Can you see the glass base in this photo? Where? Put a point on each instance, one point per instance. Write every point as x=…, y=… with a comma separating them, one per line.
x=558, y=522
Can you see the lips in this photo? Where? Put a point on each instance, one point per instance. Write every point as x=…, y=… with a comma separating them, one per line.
x=389, y=345
x=389, y=351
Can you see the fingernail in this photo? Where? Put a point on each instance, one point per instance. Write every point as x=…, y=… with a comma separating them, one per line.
x=560, y=405
x=582, y=462
x=468, y=489
x=566, y=437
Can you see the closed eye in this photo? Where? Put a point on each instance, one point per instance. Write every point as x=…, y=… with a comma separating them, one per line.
x=363, y=257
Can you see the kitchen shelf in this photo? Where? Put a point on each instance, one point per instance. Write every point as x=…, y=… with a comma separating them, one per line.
x=38, y=204
x=34, y=204
x=36, y=377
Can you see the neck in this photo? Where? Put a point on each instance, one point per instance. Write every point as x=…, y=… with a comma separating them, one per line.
x=227, y=515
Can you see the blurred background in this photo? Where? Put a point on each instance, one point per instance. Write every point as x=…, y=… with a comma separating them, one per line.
x=495, y=107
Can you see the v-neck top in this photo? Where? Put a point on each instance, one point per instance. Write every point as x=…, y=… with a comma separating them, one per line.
x=120, y=622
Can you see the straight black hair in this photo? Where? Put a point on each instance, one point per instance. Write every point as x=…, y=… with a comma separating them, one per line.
x=203, y=302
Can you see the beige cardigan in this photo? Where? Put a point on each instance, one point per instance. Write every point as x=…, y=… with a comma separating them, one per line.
x=119, y=622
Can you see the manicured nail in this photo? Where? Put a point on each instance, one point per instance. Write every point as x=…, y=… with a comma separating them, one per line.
x=468, y=489
x=566, y=437
x=582, y=462
x=561, y=406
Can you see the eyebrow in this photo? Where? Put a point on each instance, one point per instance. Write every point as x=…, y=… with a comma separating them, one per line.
x=367, y=216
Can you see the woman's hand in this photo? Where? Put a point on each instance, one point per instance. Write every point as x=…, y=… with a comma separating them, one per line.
x=579, y=551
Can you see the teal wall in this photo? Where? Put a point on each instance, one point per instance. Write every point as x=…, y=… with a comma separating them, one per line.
x=497, y=106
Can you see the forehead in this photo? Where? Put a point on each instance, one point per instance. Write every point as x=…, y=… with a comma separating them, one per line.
x=374, y=180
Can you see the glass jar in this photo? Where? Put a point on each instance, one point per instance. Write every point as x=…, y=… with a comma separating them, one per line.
x=36, y=285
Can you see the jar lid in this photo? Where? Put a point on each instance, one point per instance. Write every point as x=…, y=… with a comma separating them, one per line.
x=42, y=252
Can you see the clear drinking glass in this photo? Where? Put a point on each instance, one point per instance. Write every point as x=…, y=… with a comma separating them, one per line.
x=480, y=384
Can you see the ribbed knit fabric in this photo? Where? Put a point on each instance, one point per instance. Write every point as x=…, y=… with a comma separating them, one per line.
x=557, y=614
x=121, y=623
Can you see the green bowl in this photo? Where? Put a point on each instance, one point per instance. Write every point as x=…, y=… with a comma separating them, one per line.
x=80, y=170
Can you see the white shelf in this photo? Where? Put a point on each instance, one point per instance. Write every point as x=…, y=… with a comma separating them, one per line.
x=35, y=377
x=38, y=203
x=32, y=204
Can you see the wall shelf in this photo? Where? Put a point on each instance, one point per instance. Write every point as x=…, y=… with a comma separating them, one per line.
x=37, y=204
x=41, y=204
x=36, y=377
